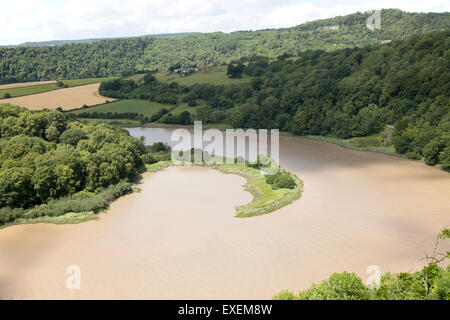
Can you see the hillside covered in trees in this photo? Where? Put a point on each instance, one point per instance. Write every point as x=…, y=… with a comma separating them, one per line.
x=119, y=56
x=351, y=92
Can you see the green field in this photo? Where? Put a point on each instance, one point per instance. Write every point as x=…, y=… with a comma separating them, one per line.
x=184, y=107
x=82, y=82
x=136, y=77
x=144, y=107
x=24, y=91
x=218, y=77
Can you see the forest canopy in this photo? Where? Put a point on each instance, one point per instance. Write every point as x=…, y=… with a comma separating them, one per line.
x=129, y=55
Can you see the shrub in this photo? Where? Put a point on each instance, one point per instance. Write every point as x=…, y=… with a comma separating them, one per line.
x=285, y=180
x=148, y=158
x=270, y=179
x=445, y=159
x=8, y=214
x=441, y=287
x=340, y=286
x=402, y=286
x=285, y=295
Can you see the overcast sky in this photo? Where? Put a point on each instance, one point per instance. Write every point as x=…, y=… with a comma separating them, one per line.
x=40, y=20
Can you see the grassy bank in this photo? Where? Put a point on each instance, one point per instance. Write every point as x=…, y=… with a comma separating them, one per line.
x=77, y=208
x=371, y=143
x=265, y=198
x=68, y=218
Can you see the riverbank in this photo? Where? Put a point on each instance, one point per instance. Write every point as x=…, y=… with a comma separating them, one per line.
x=265, y=198
x=68, y=218
x=347, y=143
x=388, y=150
x=78, y=208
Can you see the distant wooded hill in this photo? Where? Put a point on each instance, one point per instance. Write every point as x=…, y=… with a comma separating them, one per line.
x=63, y=42
x=119, y=56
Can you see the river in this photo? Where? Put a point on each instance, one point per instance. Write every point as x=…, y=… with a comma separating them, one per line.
x=178, y=239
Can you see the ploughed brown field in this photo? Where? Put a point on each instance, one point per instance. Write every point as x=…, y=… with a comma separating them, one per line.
x=24, y=84
x=68, y=98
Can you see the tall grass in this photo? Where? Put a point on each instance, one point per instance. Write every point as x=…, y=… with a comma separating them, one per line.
x=68, y=209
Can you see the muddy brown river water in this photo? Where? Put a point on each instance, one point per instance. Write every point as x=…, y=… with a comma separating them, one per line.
x=178, y=239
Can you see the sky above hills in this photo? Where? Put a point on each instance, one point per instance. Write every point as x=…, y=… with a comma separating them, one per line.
x=41, y=20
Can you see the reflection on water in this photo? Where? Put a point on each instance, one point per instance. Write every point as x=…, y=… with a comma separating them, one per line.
x=178, y=237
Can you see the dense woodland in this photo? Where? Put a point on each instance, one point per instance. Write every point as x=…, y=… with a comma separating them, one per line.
x=346, y=93
x=122, y=56
x=50, y=165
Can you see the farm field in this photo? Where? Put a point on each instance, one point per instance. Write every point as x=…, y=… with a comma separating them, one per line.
x=67, y=98
x=27, y=88
x=24, y=84
x=218, y=77
x=185, y=107
x=144, y=107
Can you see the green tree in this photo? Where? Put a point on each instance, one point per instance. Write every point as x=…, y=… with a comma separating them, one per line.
x=340, y=286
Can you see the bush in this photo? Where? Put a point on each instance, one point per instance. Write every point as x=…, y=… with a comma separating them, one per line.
x=445, y=159
x=402, y=286
x=8, y=214
x=157, y=147
x=157, y=152
x=441, y=287
x=285, y=295
x=285, y=180
x=7, y=96
x=340, y=286
x=148, y=158
x=270, y=179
